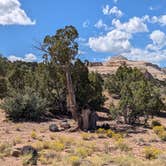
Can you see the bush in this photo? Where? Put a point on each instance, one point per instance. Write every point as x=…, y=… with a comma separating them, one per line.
x=33, y=135
x=83, y=152
x=110, y=133
x=155, y=123
x=122, y=145
x=28, y=106
x=158, y=129
x=162, y=135
x=87, y=136
x=5, y=149
x=152, y=153
x=74, y=160
x=58, y=146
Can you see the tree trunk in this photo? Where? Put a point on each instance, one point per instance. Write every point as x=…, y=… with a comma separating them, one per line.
x=71, y=100
x=89, y=120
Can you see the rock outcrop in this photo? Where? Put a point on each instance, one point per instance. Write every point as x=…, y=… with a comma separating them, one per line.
x=110, y=67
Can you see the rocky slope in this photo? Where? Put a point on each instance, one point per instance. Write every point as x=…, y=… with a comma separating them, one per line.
x=110, y=67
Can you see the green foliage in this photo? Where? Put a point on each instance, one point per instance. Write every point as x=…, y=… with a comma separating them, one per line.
x=97, y=99
x=27, y=106
x=155, y=123
x=138, y=94
x=88, y=86
x=3, y=87
x=4, y=64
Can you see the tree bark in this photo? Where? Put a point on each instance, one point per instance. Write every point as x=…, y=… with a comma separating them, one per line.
x=71, y=100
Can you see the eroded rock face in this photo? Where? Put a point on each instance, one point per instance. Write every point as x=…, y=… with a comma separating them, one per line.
x=112, y=64
x=53, y=128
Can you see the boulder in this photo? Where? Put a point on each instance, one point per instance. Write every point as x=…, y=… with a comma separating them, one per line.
x=65, y=125
x=28, y=150
x=53, y=128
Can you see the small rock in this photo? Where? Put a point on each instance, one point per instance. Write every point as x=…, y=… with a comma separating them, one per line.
x=16, y=153
x=53, y=128
x=28, y=150
x=65, y=125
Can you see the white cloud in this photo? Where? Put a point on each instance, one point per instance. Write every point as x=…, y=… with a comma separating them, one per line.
x=134, y=25
x=159, y=40
x=145, y=55
x=161, y=20
x=13, y=58
x=86, y=24
x=113, y=41
x=158, y=37
x=11, y=13
x=28, y=58
x=112, y=11
x=101, y=25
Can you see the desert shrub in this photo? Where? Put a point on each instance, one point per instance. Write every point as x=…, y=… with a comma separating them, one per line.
x=5, y=149
x=83, y=152
x=162, y=135
x=26, y=159
x=58, y=146
x=110, y=133
x=158, y=129
x=113, y=111
x=17, y=140
x=87, y=136
x=47, y=156
x=127, y=160
x=39, y=145
x=28, y=106
x=74, y=160
x=33, y=135
x=66, y=140
x=155, y=123
x=122, y=145
x=117, y=136
x=101, y=131
x=151, y=152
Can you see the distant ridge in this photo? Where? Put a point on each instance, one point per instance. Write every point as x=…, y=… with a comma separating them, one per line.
x=117, y=57
x=113, y=63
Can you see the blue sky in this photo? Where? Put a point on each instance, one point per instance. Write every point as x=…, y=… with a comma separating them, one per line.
x=133, y=28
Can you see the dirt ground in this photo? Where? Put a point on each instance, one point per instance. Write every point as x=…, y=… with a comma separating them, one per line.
x=20, y=134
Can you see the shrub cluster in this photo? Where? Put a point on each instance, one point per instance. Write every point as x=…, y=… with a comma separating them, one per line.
x=28, y=106
x=160, y=131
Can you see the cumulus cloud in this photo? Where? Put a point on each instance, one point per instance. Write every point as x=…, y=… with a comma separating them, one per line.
x=159, y=40
x=113, y=41
x=28, y=58
x=155, y=57
x=160, y=19
x=112, y=11
x=134, y=25
x=101, y=25
x=11, y=13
